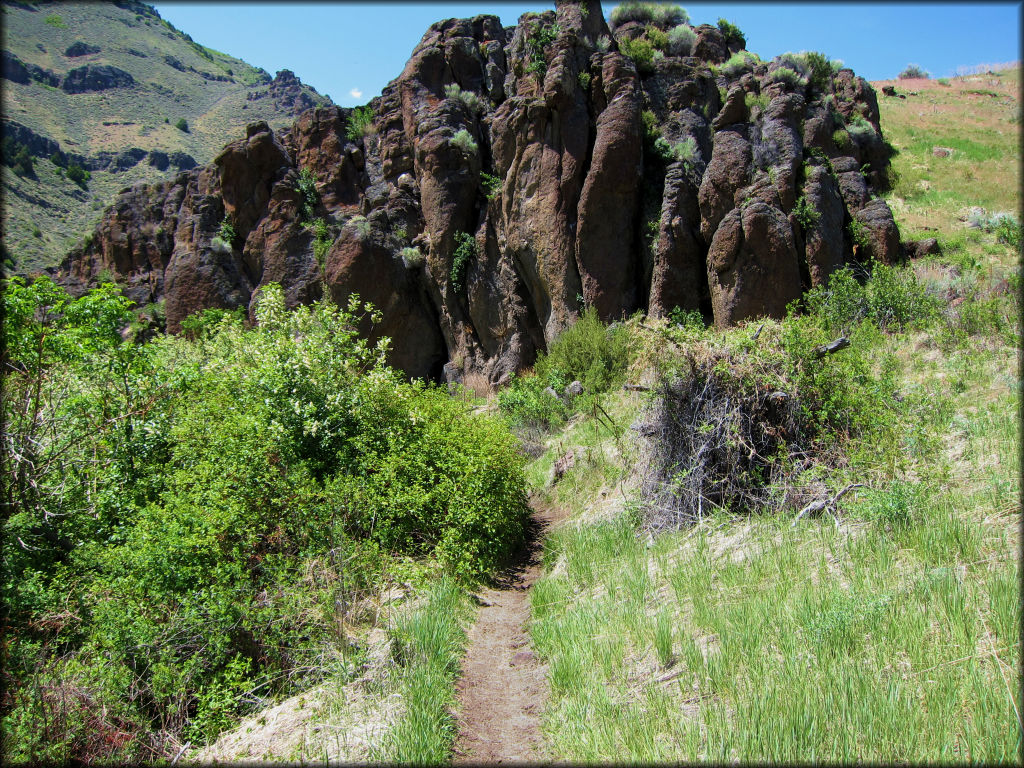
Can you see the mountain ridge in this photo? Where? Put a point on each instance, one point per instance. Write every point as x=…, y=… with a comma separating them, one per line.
x=118, y=91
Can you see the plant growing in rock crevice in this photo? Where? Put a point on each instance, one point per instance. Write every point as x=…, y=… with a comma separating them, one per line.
x=465, y=252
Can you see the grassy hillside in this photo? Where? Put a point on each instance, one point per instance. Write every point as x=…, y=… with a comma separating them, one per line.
x=175, y=79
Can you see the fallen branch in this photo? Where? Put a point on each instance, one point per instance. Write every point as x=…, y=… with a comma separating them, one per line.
x=818, y=506
x=832, y=347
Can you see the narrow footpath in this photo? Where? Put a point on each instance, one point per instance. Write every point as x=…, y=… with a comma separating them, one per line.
x=504, y=685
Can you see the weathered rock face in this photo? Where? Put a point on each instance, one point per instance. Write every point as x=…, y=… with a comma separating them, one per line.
x=512, y=176
x=96, y=77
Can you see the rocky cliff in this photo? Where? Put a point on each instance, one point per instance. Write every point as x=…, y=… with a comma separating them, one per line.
x=513, y=175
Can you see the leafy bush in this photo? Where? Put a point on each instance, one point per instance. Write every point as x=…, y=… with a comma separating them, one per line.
x=682, y=151
x=209, y=505
x=661, y=14
x=182, y=125
x=465, y=252
x=412, y=257
x=657, y=37
x=540, y=38
x=306, y=185
x=590, y=352
x=491, y=184
x=641, y=52
x=786, y=76
x=464, y=140
x=321, y=241
x=583, y=78
x=79, y=175
x=739, y=64
x=528, y=402
x=806, y=214
x=913, y=71
x=731, y=33
x=681, y=40
x=227, y=232
x=360, y=123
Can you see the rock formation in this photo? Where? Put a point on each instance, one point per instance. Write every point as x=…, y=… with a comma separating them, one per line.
x=512, y=176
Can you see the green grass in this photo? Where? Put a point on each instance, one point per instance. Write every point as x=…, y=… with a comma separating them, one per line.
x=428, y=644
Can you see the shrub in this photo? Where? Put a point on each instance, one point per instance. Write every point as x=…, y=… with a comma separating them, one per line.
x=806, y=215
x=306, y=185
x=540, y=38
x=681, y=40
x=583, y=78
x=587, y=351
x=681, y=151
x=321, y=241
x=860, y=128
x=491, y=184
x=739, y=64
x=786, y=76
x=227, y=232
x=528, y=402
x=661, y=14
x=412, y=257
x=641, y=52
x=182, y=125
x=463, y=139
x=79, y=175
x=657, y=37
x=913, y=71
x=603, y=44
x=731, y=33
x=465, y=252
x=360, y=123
x=361, y=226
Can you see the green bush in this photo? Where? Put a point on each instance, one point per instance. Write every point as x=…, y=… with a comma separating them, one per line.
x=464, y=140
x=681, y=40
x=739, y=64
x=913, y=71
x=731, y=33
x=465, y=253
x=528, y=402
x=491, y=184
x=590, y=352
x=360, y=123
x=306, y=185
x=227, y=232
x=79, y=175
x=641, y=52
x=540, y=38
x=182, y=125
x=173, y=499
x=806, y=214
x=657, y=38
x=661, y=14
x=786, y=76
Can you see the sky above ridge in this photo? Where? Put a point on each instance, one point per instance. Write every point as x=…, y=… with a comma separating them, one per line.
x=351, y=50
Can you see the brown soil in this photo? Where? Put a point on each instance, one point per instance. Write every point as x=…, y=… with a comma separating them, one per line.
x=503, y=686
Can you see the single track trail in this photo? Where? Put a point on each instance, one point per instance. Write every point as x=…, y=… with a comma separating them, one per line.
x=503, y=685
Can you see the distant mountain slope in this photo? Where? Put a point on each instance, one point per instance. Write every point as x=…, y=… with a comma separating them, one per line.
x=107, y=84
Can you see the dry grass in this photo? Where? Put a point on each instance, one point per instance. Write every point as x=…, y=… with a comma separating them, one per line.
x=978, y=117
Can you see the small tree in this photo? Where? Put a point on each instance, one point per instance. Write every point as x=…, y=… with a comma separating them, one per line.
x=182, y=125
x=913, y=71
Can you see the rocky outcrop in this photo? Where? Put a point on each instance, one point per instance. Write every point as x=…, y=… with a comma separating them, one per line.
x=17, y=71
x=96, y=77
x=78, y=48
x=512, y=176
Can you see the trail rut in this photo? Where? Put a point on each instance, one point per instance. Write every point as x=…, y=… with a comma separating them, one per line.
x=503, y=685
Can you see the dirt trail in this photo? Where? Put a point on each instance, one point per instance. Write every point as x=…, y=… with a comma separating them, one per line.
x=503, y=686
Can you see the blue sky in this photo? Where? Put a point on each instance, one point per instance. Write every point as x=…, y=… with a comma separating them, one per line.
x=351, y=50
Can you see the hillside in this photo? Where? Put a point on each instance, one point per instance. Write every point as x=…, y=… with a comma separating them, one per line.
x=106, y=84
